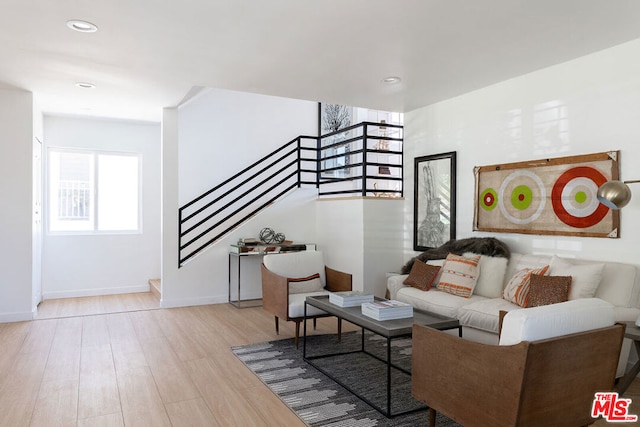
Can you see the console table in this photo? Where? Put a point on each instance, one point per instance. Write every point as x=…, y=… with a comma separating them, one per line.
x=238, y=252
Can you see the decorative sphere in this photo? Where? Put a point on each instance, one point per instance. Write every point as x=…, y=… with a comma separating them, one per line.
x=267, y=235
x=279, y=238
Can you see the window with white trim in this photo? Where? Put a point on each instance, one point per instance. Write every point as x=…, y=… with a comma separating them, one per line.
x=93, y=191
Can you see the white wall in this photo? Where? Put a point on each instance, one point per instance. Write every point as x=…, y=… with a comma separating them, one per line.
x=208, y=139
x=599, y=100
x=37, y=208
x=16, y=136
x=222, y=132
x=81, y=265
x=363, y=237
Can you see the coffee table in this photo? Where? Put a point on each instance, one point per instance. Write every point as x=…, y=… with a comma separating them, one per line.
x=389, y=329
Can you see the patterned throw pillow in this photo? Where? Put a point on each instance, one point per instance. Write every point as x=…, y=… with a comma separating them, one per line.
x=517, y=290
x=303, y=285
x=459, y=275
x=422, y=275
x=545, y=290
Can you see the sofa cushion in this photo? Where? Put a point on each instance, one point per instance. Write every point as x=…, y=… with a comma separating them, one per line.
x=303, y=285
x=519, y=261
x=545, y=290
x=548, y=321
x=435, y=301
x=517, y=290
x=459, y=275
x=585, y=277
x=491, y=277
x=422, y=276
x=484, y=314
x=619, y=284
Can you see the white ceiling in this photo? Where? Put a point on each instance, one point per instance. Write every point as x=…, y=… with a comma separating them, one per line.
x=148, y=54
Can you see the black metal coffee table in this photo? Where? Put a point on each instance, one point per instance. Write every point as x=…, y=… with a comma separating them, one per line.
x=389, y=329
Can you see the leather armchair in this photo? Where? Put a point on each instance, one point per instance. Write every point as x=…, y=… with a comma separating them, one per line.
x=279, y=270
x=548, y=382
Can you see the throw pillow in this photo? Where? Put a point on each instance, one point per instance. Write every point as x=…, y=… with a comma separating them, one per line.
x=491, y=277
x=303, y=285
x=545, y=290
x=585, y=277
x=459, y=275
x=517, y=290
x=422, y=275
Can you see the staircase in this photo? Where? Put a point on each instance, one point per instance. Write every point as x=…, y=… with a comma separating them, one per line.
x=337, y=164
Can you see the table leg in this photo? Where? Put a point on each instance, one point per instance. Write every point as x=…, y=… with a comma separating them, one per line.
x=388, y=376
x=628, y=377
x=304, y=332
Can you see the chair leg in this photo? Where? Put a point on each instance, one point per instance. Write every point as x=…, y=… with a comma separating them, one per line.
x=297, y=333
x=315, y=323
x=339, y=330
x=432, y=417
x=277, y=326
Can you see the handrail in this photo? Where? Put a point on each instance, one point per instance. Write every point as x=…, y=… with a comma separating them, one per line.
x=219, y=210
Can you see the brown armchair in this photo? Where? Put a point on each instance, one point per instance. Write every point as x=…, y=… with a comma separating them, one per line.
x=549, y=382
x=279, y=271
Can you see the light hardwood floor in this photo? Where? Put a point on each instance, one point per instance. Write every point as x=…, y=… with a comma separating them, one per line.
x=103, y=365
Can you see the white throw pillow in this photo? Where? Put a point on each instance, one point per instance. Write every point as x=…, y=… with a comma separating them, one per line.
x=491, y=278
x=585, y=277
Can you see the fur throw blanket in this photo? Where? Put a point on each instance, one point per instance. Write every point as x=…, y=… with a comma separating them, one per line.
x=479, y=245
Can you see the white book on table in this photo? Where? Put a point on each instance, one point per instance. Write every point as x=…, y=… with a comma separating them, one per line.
x=387, y=310
x=349, y=298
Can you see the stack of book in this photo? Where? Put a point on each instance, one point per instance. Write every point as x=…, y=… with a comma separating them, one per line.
x=349, y=298
x=387, y=310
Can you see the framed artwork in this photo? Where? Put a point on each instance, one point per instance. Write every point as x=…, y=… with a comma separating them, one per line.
x=548, y=196
x=434, y=201
x=332, y=118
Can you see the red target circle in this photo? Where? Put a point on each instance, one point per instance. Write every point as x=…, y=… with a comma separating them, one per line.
x=558, y=203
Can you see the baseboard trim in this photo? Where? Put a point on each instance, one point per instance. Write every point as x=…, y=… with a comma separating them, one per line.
x=188, y=302
x=95, y=292
x=16, y=317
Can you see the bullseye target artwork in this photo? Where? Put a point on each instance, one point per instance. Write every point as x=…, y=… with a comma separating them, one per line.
x=548, y=196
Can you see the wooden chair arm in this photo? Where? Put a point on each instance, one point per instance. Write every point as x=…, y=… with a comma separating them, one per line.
x=545, y=382
x=465, y=380
x=337, y=281
x=275, y=293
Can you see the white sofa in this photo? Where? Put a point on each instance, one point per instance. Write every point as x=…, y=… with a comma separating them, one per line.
x=616, y=283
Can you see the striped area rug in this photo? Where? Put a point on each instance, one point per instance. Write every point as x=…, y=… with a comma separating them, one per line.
x=320, y=401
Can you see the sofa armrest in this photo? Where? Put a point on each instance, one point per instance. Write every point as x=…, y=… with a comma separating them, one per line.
x=394, y=284
x=337, y=281
x=275, y=293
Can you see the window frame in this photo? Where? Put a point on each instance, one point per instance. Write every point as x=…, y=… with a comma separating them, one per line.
x=96, y=154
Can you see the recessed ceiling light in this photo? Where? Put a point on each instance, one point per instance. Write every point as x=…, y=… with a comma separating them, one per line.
x=391, y=80
x=82, y=26
x=85, y=85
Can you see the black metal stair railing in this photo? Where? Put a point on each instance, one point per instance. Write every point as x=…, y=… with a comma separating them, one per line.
x=340, y=163
x=364, y=159
x=216, y=212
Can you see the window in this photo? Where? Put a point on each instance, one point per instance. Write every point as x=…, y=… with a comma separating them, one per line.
x=92, y=191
